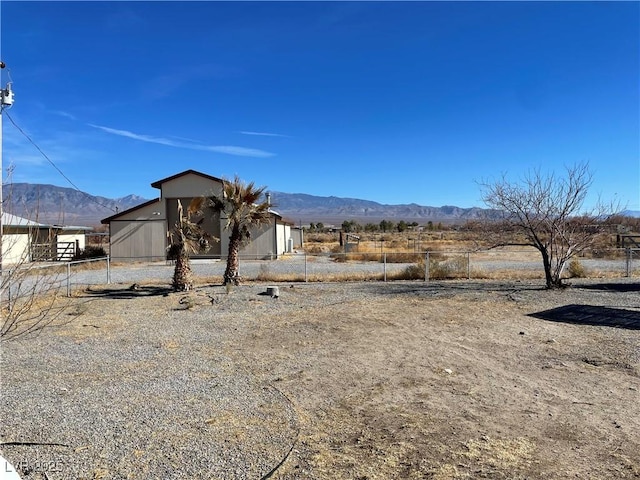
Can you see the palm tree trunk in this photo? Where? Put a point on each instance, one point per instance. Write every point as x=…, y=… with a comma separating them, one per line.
x=232, y=273
x=182, y=276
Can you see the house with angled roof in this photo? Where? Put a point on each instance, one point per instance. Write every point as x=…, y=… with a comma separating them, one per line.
x=24, y=240
x=140, y=233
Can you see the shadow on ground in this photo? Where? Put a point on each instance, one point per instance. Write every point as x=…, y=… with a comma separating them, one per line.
x=135, y=291
x=592, y=315
x=451, y=287
x=612, y=287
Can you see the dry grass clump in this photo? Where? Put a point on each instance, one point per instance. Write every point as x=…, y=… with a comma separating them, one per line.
x=265, y=275
x=345, y=277
x=506, y=274
x=367, y=253
x=412, y=272
x=503, y=454
x=321, y=248
x=576, y=269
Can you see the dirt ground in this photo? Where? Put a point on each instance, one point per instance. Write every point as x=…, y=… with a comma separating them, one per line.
x=451, y=380
x=458, y=381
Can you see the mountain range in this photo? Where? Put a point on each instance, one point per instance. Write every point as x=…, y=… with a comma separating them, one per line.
x=304, y=208
x=67, y=206
x=60, y=205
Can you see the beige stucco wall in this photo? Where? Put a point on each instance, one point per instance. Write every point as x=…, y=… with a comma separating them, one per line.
x=15, y=248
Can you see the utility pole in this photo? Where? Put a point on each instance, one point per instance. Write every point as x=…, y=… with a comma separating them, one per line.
x=6, y=100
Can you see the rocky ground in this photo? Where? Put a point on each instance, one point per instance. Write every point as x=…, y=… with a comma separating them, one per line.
x=366, y=380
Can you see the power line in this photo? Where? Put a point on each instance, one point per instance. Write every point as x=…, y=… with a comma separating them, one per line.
x=54, y=165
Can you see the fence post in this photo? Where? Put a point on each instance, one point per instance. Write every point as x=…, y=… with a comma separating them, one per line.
x=468, y=265
x=9, y=291
x=68, y=279
x=628, y=262
x=426, y=267
x=384, y=259
x=305, y=268
x=108, y=269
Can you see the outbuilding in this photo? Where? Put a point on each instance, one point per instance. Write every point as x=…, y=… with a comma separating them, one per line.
x=24, y=240
x=140, y=233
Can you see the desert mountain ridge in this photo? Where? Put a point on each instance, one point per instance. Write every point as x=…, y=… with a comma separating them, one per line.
x=67, y=206
x=61, y=205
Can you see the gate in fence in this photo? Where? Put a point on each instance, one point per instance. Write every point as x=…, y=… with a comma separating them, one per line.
x=42, y=252
x=51, y=252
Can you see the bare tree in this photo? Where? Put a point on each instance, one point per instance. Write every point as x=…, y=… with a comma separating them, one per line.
x=33, y=285
x=547, y=211
x=32, y=295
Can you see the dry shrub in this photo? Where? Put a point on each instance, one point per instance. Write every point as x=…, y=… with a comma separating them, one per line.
x=264, y=274
x=315, y=248
x=411, y=272
x=447, y=268
x=507, y=274
x=345, y=277
x=357, y=257
x=576, y=269
x=320, y=238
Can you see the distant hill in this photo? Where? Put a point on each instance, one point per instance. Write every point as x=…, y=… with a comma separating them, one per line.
x=631, y=213
x=300, y=207
x=60, y=205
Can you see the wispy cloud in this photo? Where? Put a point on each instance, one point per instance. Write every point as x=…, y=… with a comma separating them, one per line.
x=264, y=134
x=64, y=114
x=228, y=149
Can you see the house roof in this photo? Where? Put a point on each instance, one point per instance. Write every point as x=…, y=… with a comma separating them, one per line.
x=129, y=210
x=158, y=184
x=10, y=220
x=70, y=228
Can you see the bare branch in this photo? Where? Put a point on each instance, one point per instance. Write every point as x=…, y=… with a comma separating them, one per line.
x=546, y=209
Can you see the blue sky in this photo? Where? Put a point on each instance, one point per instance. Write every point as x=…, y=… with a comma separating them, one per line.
x=396, y=102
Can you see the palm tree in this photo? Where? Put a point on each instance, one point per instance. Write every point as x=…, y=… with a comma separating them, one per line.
x=187, y=237
x=238, y=204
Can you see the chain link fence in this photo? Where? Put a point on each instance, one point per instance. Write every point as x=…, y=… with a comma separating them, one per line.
x=327, y=267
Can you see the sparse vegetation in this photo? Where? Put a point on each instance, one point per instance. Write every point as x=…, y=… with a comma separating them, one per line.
x=90, y=251
x=576, y=269
x=547, y=212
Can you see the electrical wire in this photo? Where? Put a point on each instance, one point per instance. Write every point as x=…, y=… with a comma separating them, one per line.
x=54, y=165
